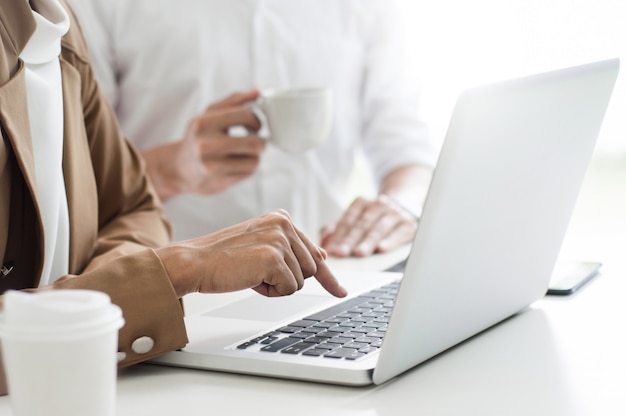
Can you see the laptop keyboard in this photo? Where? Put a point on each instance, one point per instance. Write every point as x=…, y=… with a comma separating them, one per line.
x=349, y=330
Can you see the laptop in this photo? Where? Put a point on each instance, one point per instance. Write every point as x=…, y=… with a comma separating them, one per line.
x=498, y=207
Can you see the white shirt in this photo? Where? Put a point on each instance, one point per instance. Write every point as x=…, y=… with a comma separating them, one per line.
x=45, y=114
x=161, y=62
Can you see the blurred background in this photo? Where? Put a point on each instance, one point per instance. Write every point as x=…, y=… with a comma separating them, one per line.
x=459, y=44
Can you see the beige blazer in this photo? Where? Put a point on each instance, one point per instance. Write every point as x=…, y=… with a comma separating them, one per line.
x=115, y=218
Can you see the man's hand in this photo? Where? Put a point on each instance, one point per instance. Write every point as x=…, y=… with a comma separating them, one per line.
x=267, y=254
x=369, y=226
x=207, y=160
x=382, y=224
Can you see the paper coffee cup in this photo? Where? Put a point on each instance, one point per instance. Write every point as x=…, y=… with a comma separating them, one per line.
x=59, y=351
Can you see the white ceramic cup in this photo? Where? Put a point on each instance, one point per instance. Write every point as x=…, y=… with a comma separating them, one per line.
x=297, y=119
x=60, y=350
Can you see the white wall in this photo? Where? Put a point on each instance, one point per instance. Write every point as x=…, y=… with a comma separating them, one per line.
x=460, y=43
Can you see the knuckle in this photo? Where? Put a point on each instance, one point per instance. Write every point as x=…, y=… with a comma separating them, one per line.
x=358, y=203
x=280, y=218
x=270, y=255
x=279, y=240
x=389, y=220
x=378, y=204
x=384, y=198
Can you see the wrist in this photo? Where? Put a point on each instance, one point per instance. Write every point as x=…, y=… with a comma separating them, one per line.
x=163, y=181
x=179, y=265
x=412, y=206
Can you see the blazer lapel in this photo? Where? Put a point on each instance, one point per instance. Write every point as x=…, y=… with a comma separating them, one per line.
x=17, y=19
x=82, y=199
x=17, y=136
x=14, y=115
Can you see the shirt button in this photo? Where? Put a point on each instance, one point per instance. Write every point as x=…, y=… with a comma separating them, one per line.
x=121, y=356
x=142, y=345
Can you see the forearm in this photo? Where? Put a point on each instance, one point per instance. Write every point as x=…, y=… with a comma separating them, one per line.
x=408, y=186
x=163, y=171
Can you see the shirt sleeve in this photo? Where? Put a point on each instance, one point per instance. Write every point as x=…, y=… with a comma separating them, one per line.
x=96, y=19
x=393, y=129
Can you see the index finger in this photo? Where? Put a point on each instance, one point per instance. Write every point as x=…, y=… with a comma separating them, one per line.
x=221, y=120
x=323, y=274
x=235, y=100
x=328, y=280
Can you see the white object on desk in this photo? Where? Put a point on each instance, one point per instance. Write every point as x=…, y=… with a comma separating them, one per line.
x=59, y=352
x=497, y=210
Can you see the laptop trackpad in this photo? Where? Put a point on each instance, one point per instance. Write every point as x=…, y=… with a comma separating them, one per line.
x=261, y=308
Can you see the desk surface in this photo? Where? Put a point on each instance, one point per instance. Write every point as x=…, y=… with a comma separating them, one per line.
x=562, y=356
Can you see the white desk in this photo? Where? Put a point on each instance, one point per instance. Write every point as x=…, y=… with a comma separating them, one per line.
x=563, y=356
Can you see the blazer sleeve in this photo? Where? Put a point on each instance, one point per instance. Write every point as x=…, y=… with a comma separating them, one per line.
x=120, y=258
x=153, y=315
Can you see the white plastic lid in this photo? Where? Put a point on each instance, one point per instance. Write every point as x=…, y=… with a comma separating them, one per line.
x=58, y=315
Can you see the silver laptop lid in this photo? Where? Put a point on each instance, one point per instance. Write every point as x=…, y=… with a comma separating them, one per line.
x=500, y=201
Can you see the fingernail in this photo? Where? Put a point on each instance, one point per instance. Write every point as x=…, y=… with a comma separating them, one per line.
x=384, y=245
x=343, y=292
x=338, y=250
x=343, y=249
x=364, y=248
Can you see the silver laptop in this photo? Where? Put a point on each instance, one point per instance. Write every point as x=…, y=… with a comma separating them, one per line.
x=504, y=188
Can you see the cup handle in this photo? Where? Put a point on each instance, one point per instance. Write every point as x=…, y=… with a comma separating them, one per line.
x=257, y=108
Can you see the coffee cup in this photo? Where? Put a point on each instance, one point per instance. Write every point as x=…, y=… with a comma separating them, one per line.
x=296, y=119
x=60, y=349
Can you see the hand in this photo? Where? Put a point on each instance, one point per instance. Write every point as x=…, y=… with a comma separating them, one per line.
x=369, y=227
x=207, y=160
x=267, y=254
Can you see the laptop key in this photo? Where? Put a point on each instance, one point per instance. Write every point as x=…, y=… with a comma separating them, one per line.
x=268, y=340
x=355, y=345
x=280, y=344
x=303, y=323
x=367, y=340
x=289, y=329
x=339, y=340
x=315, y=352
x=346, y=353
x=298, y=348
x=369, y=349
x=245, y=345
x=334, y=310
x=327, y=346
x=316, y=339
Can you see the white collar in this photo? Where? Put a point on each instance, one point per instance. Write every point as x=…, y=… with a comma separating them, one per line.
x=52, y=23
